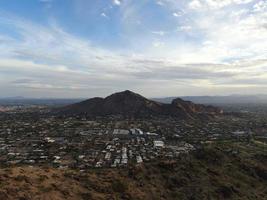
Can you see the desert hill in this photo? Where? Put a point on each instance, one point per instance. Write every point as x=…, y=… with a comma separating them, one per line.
x=130, y=104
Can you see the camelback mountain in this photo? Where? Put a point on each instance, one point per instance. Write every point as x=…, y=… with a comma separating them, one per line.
x=130, y=104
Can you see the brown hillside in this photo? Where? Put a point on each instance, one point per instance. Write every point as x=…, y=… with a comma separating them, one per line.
x=215, y=172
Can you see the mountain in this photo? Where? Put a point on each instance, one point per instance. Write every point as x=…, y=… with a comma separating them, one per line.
x=37, y=101
x=12, y=98
x=130, y=104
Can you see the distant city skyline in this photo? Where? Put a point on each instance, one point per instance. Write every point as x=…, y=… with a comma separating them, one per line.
x=158, y=48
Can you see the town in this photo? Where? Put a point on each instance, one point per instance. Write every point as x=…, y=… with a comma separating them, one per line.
x=33, y=138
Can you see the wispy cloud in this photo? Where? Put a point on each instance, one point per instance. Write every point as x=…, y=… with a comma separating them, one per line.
x=212, y=49
x=215, y=4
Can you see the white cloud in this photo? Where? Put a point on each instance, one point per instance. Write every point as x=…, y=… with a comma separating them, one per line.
x=185, y=28
x=161, y=33
x=158, y=44
x=215, y=4
x=260, y=6
x=104, y=15
x=117, y=2
x=160, y=3
x=175, y=14
x=178, y=14
x=195, y=4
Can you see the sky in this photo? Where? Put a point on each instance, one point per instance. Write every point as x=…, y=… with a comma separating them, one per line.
x=158, y=48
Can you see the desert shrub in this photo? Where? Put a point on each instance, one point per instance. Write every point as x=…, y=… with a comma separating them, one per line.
x=86, y=196
x=167, y=165
x=45, y=189
x=225, y=191
x=21, y=178
x=212, y=156
x=42, y=178
x=3, y=195
x=261, y=172
x=23, y=198
x=119, y=186
x=175, y=182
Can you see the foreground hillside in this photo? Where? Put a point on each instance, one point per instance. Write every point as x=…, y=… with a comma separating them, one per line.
x=217, y=171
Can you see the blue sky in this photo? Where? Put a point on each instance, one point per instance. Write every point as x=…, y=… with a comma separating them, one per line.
x=85, y=48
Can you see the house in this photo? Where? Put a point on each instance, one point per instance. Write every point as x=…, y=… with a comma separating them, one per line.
x=158, y=143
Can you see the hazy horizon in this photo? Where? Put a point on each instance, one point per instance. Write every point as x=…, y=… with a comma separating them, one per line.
x=158, y=48
x=149, y=97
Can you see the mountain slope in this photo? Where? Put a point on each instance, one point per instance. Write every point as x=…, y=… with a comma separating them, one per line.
x=130, y=104
x=212, y=172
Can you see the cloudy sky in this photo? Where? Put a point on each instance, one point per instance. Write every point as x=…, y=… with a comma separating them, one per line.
x=85, y=48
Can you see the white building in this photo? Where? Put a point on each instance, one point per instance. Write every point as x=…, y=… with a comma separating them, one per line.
x=158, y=144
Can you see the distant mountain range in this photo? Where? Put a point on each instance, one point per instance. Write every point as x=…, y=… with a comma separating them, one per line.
x=9, y=101
x=217, y=100
x=130, y=104
x=206, y=100
x=11, y=98
x=231, y=99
